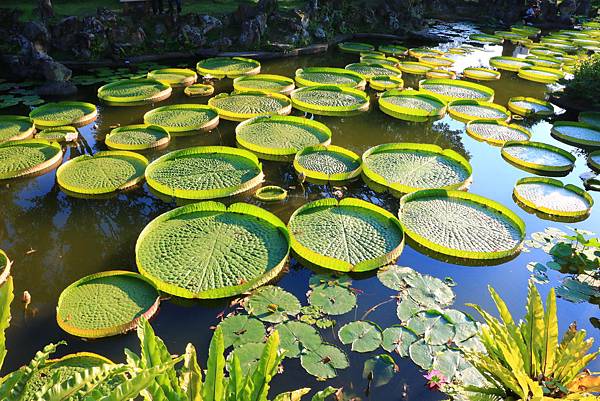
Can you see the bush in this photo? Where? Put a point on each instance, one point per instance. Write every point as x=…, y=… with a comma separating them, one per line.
x=585, y=86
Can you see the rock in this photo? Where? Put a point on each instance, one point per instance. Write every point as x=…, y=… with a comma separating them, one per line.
x=160, y=28
x=64, y=33
x=36, y=32
x=93, y=25
x=567, y=9
x=55, y=71
x=222, y=43
x=106, y=16
x=210, y=23
x=57, y=89
x=267, y=6
x=320, y=33
x=253, y=30
x=191, y=35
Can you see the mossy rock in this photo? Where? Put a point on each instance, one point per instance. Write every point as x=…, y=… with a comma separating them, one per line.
x=230, y=67
x=264, y=83
x=538, y=156
x=15, y=128
x=551, y=197
x=59, y=134
x=137, y=137
x=179, y=118
x=497, y=132
x=28, y=157
x=175, y=77
x=327, y=163
x=240, y=106
x=134, y=92
x=330, y=100
x=58, y=114
x=312, y=76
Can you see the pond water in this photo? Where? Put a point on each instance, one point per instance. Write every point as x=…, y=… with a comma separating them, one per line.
x=55, y=239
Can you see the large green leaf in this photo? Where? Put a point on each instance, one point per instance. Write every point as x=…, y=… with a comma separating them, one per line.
x=379, y=369
x=362, y=335
x=297, y=337
x=272, y=304
x=213, y=388
x=324, y=361
x=398, y=339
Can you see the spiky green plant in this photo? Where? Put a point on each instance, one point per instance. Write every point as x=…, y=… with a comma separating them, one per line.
x=525, y=360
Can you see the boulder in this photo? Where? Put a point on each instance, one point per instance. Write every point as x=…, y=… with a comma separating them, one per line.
x=210, y=23
x=54, y=71
x=64, y=88
x=253, y=30
x=106, y=16
x=37, y=32
x=222, y=43
x=192, y=36
x=320, y=33
x=64, y=33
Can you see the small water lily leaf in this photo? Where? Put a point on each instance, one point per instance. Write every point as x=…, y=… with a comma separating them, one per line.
x=429, y=291
x=441, y=332
x=317, y=280
x=421, y=354
x=272, y=304
x=324, y=361
x=407, y=308
x=472, y=344
x=576, y=291
x=468, y=375
x=464, y=326
x=398, y=339
x=379, y=370
x=249, y=354
x=242, y=329
x=295, y=337
x=364, y=336
x=448, y=362
x=393, y=276
x=332, y=297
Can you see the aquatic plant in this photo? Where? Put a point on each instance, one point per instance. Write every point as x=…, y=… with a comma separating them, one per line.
x=330, y=100
x=176, y=77
x=327, y=163
x=59, y=134
x=385, y=82
x=497, y=132
x=538, y=156
x=594, y=160
x=466, y=110
x=577, y=133
x=230, y=67
x=58, y=114
x=14, y=128
x=373, y=68
x=540, y=74
x=134, y=92
x=240, y=106
x=271, y=193
x=264, y=83
x=177, y=118
x=313, y=76
x=551, y=197
x=453, y=89
x=199, y=90
x=411, y=105
x=137, y=137
x=530, y=107
x=585, y=84
x=507, y=63
x=414, y=67
x=355, y=47
x=28, y=157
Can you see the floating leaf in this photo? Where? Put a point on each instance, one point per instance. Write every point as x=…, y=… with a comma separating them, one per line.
x=264, y=83
x=183, y=117
x=379, y=370
x=327, y=163
x=244, y=105
x=324, y=361
x=407, y=308
x=362, y=335
x=398, y=339
x=538, y=156
x=241, y=329
x=464, y=326
x=29, y=156
x=313, y=76
x=393, y=276
x=448, y=362
x=272, y=304
x=249, y=355
x=421, y=354
x=57, y=114
x=231, y=67
x=134, y=92
x=330, y=100
x=333, y=297
x=297, y=337
x=176, y=77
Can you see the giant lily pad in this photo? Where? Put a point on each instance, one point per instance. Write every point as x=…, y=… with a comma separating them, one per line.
x=355, y=47
x=327, y=163
x=27, y=157
x=577, y=133
x=541, y=74
x=57, y=114
x=230, y=67
x=590, y=117
x=594, y=160
x=362, y=335
x=529, y=106
x=372, y=69
x=280, y=137
x=330, y=100
x=183, y=117
x=176, y=77
x=418, y=52
x=394, y=50
x=208, y=250
x=461, y=224
x=106, y=304
x=486, y=38
x=481, y=74
x=352, y=235
x=242, y=329
x=134, y=92
x=58, y=134
x=270, y=193
x=538, y=156
x=385, y=82
x=436, y=61
x=408, y=167
x=264, y=83
x=440, y=73
x=510, y=63
x=324, y=361
x=466, y=110
x=244, y=105
x=297, y=337
x=411, y=105
x=199, y=90
x=137, y=137
x=313, y=76
x=272, y=304
x=497, y=132
x=414, y=67
x=552, y=197
x=453, y=89
x=102, y=173
x=14, y=128
x=205, y=172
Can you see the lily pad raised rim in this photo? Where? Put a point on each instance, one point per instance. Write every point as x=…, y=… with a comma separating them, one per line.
x=26, y=134
x=223, y=292
x=5, y=269
x=440, y=73
x=66, y=129
x=464, y=117
x=166, y=137
x=437, y=61
x=216, y=73
x=523, y=111
x=471, y=123
x=207, y=90
x=376, y=85
x=359, y=80
x=499, y=63
x=271, y=198
x=105, y=153
x=317, y=175
x=401, y=111
x=275, y=152
x=471, y=73
x=572, y=140
x=393, y=70
x=208, y=193
x=557, y=183
x=390, y=49
x=590, y=160
x=109, y=331
x=418, y=147
x=489, y=92
x=477, y=199
x=351, y=47
x=233, y=116
x=536, y=166
x=529, y=73
x=486, y=38
x=287, y=84
x=51, y=162
x=331, y=263
x=207, y=126
x=90, y=116
x=164, y=92
x=189, y=77
x=414, y=67
x=331, y=110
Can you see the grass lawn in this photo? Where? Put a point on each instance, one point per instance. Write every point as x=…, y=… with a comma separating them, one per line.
x=87, y=7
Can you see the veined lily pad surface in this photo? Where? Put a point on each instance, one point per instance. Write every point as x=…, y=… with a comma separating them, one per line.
x=27, y=157
x=414, y=67
x=205, y=172
x=103, y=173
x=452, y=89
x=371, y=69
x=394, y=50
x=486, y=38
x=355, y=47
x=199, y=90
x=327, y=163
x=437, y=61
x=385, y=82
x=183, y=117
x=57, y=114
x=281, y=137
x=208, y=250
x=468, y=110
x=552, y=197
x=577, y=133
x=14, y=128
x=58, y=134
x=510, y=63
x=408, y=167
x=134, y=92
x=497, y=132
x=137, y=137
x=330, y=100
x=352, y=235
x=461, y=224
x=440, y=73
x=311, y=76
x=264, y=83
x=538, y=156
x=176, y=77
x=540, y=74
x=411, y=105
x=481, y=74
x=529, y=106
x=244, y=105
x=106, y=304
x=230, y=67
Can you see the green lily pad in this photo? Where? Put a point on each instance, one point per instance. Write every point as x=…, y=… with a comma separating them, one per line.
x=133, y=92
x=332, y=296
x=297, y=338
x=231, y=67
x=379, y=370
x=362, y=335
x=407, y=308
x=538, y=156
x=394, y=276
x=330, y=100
x=497, y=132
x=272, y=304
x=176, y=77
x=59, y=134
x=57, y=114
x=241, y=329
x=244, y=105
x=355, y=47
x=429, y=291
x=421, y=354
x=312, y=76
x=327, y=163
x=464, y=326
x=27, y=157
x=448, y=362
x=452, y=89
x=372, y=69
x=469, y=110
x=552, y=197
x=577, y=133
x=183, y=117
x=249, y=355
x=14, y=128
x=324, y=361
x=197, y=90
x=412, y=105
x=137, y=137
x=398, y=339
x=264, y=83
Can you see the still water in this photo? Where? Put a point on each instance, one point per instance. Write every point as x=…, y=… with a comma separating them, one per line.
x=55, y=239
